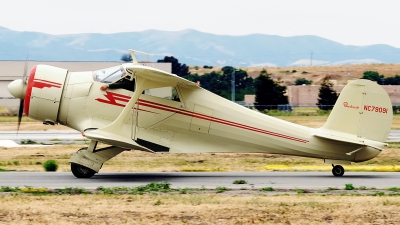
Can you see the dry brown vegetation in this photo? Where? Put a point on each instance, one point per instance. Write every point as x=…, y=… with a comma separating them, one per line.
x=317, y=73
x=32, y=159
x=198, y=209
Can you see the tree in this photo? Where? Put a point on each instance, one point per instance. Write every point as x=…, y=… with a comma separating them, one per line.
x=392, y=80
x=177, y=68
x=301, y=81
x=327, y=96
x=243, y=83
x=219, y=82
x=374, y=76
x=269, y=94
x=126, y=58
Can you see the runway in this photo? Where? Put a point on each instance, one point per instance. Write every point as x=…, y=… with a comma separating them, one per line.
x=283, y=180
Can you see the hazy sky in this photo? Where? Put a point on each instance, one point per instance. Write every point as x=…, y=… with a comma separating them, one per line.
x=353, y=22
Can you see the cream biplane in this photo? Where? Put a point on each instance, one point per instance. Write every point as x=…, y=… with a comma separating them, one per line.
x=166, y=113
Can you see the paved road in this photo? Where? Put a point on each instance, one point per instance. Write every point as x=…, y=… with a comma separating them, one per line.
x=286, y=180
x=394, y=136
x=43, y=136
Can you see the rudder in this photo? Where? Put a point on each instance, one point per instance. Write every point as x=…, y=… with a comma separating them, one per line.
x=363, y=109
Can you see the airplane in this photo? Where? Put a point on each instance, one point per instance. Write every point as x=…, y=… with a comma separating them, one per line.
x=167, y=113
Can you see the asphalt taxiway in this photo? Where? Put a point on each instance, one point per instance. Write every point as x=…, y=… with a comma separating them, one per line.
x=283, y=180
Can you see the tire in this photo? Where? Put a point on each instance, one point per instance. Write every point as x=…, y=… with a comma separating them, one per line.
x=80, y=171
x=338, y=171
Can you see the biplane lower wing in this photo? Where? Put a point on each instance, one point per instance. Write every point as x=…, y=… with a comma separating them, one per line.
x=114, y=139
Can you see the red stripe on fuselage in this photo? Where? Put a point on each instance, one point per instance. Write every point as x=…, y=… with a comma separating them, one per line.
x=28, y=92
x=114, y=96
x=216, y=120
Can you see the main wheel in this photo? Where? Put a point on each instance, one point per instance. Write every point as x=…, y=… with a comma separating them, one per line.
x=81, y=171
x=338, y=171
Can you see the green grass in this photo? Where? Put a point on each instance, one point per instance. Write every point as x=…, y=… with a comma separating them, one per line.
x=221, y=189
x=266, y=189
x=9, y=189
x=333, y=188
x=393, y=189
x=152, y=187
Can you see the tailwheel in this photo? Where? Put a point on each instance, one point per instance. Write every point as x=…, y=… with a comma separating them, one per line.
x=81, y=171
x=337, y=170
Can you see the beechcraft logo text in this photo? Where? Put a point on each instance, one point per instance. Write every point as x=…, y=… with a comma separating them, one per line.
x=347, y=105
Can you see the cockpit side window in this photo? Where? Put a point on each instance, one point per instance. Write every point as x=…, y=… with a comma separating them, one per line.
x=170, y=93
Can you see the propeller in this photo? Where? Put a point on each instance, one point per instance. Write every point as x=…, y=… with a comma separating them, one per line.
x=21, y=101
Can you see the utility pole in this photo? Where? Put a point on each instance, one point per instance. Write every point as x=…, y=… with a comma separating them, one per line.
x=233, y=85
x=311, y=58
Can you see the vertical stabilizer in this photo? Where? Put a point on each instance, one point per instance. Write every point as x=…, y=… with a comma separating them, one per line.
x=363, y=109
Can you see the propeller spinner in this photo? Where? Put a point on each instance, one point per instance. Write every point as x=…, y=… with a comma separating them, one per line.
x=17, y=88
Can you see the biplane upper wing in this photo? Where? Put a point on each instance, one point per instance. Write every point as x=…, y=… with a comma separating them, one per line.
x=146, y=78
x=158, y=76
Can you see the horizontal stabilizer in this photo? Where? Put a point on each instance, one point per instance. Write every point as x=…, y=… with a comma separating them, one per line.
x=354, y=140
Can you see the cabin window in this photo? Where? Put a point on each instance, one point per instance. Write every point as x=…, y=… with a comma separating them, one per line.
x=170, y=93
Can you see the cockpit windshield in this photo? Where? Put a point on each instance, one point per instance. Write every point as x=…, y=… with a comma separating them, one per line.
x=109, y=75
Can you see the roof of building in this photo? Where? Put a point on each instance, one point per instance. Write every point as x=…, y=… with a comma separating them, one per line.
x=11, y=70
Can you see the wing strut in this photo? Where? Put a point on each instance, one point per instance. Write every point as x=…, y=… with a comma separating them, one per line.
x=134, y=59
x=113, y=134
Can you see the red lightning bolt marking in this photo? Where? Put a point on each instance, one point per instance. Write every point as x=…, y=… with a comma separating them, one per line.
x=113, y=97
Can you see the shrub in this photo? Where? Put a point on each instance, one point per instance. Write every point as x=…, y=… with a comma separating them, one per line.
x=50, y=165
x=28, y=142
x=349, y=187
x=239, y=182
x=302, y=81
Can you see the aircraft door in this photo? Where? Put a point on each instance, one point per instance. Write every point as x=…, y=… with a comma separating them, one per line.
x=156, y=105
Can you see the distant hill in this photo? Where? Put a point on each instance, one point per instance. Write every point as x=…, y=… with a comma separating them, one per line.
x=192, y=48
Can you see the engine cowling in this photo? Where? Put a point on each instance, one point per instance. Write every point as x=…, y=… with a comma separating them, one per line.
x=43, y=93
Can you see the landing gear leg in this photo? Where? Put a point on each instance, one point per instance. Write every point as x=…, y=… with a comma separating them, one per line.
x=337, y=170
x=88, y=161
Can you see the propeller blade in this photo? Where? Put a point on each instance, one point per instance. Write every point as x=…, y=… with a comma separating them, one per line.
x=21, y=102
x=20, y=113
x=24, y=75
